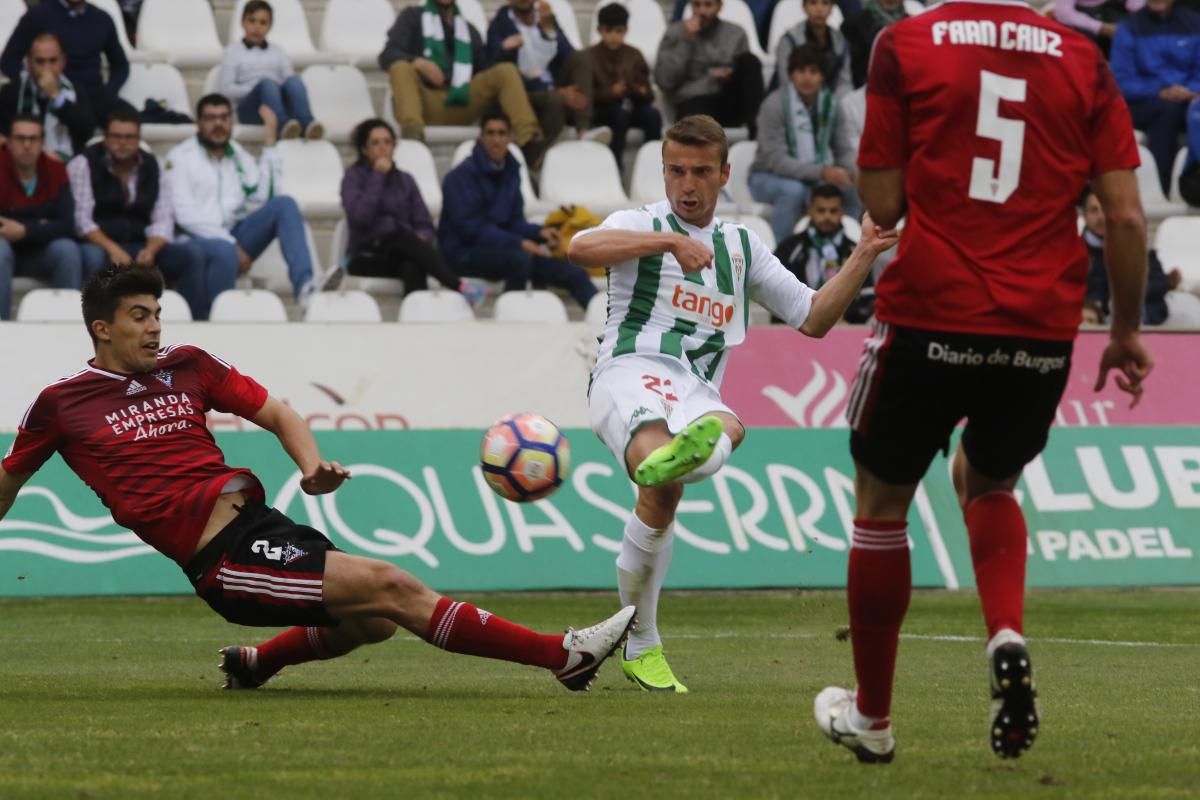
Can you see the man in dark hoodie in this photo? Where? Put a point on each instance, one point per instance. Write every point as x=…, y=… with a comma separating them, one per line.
x=36, y=214
x=483, y=232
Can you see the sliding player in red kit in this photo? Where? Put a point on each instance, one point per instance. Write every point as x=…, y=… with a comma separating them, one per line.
x=984, y=122
x=131, y=424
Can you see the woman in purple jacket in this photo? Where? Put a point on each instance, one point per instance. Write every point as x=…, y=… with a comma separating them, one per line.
x=391, y=231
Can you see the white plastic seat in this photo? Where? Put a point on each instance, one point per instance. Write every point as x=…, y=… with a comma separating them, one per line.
x=913, y=7
x=473, y=11
x=435, y=306
x=1183, y=311
x=1176, y=243
x=741, y=156
x=534, y=205
x=738, y=13
x=597, y=311
x=269, y=271
x=646, y=185
x=1176, y=171
x=851, y=227
x=759, y=226
x=289, y=30
x=163, y=83
x=50, y=305
x=111, y=8
x=174, y=307
x=339, y=97
x=647, y=24
x=247, y=305
x=1154, y=202
x=356, y=30
x=585, y=173
x=11, y=12
x=312, y=175
x=531, y=305
x=564, y=15
x=183, y=29
x=416, y=159
x=343, y=306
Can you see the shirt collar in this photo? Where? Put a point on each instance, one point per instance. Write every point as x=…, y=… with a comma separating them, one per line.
x=249, y=46
x=72, y=12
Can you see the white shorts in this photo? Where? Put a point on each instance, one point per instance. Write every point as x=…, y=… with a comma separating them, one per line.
x=633, y=390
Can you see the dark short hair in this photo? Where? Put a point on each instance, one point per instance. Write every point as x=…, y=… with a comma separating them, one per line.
x=104, y=291
x=613, y=15
x=122, y=114
x=699, y=130
x=826, y=190
x=494, y=115
x=258, y=5
x=806, y=55
x=1087, y=192
x=214, y=99
x=24, y=116
x=50, y=36
x=363, y=130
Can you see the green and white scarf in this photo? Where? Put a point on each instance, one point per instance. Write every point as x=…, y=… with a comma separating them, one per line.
x=57, y=135
x=883, y=17
x=459, y=71
x=824, y=261
x=808, y=139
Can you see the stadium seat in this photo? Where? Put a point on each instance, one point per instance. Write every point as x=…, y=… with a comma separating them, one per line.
x=741, y=156
x=564, y=15
x=183, y=29
x=646, y=185
x=415, y=158
x=111, y=8
x=534, y=205
x=1183, y=310
x=646, y=27
x=269, y=271
x=851, y=227
x=473, y=11
x=174, y=307
x=581, y=172
x=343, y=306
x=50, y=305
x=738, y=13
x=531, y=305
x=1177, y=170
x=242, y=134
x=1176, y=242
x=913, y=7
x=340, y=98
x=435, y=306
x=11, y=12
x=1155, y=204
x=434, y=134
x=247, y=305
x=312, y=174
x=758, y=226
x=356, y=30
x=597, y=311
x=163, y=83
x=289, y=30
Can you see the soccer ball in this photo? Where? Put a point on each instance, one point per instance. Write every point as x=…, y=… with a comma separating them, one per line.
x=524, y=457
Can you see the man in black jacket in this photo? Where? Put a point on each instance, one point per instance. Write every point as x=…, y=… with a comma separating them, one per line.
x=45, y=92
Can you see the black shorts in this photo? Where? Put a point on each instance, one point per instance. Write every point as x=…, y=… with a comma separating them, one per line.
x=914, y=386
x=263, y=569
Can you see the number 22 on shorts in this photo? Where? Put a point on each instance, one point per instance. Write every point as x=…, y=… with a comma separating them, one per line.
x=652, y=383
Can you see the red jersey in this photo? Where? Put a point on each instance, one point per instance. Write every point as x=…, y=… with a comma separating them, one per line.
x=141, y=442
x=998, y=117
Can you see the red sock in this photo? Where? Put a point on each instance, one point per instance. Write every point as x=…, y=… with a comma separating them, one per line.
x=998, y=536
x=463, y=628
x=293, y=646
x=879, y=587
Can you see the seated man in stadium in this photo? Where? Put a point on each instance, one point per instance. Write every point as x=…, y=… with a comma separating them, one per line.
x=558, y=78
x=835, y=52
x=797, y=147
x=86, y=33
x=1156, y=61
x=705, y=66
x=37, y=226
x=449, y=80
x=44, y=91
x=1095, y=19
x=483, y=231
x=861, y=29
x=817, y=253
x=213, y=182
x=123, y=213
x=621, y=78
x=391, y=232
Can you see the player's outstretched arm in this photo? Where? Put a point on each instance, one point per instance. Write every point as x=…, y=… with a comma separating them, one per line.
x=604, y=248
x=319, y=476
x=10, y=484
x=831, y=300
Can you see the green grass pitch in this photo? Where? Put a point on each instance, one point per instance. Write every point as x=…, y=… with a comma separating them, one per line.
x=120, y=698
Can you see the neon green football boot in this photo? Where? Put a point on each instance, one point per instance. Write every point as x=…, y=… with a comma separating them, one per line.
x=690, y=448
x=651, y=672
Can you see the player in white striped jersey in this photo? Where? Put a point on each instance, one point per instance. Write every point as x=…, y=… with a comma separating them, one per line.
x=680, y=282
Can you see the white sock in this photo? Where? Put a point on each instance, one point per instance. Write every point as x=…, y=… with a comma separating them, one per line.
x=860, y=721
x=717, y=460
x=641, y=568
x=1004, y=636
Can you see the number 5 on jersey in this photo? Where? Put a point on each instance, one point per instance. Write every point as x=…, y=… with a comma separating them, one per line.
x=986, y=183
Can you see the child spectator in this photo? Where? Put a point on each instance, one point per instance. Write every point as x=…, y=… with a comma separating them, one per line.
x=624, y=98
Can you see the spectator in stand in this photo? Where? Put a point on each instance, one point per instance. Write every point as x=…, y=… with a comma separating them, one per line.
x=440, y=75
x=1156, y=61
x=835, y=52
x=483, y=231
x=860, y=32
x=624, y=97
x=256, y=73
x=85, y=32
x=45, y=92
x=797, y=147
x=1095, y=19
x=1189, y=180
x=123, y=214
x=391, y=232
x=558, y=78
x=760, y=10
x=817, y=253
x=705, y=66
x=213, y=182
x=36, y=214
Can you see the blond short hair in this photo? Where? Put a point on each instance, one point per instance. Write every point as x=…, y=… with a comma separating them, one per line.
x=699, y=130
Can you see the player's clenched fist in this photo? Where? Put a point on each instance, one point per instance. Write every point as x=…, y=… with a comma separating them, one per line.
x=874, y=239
x=691, y=255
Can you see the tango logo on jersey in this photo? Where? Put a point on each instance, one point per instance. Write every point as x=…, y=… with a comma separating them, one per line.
x=134, y=388
x=699, y=306
x=164, y=377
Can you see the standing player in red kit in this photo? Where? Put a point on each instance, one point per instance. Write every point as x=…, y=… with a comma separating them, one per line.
x=984, y=122
x=131, y=424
